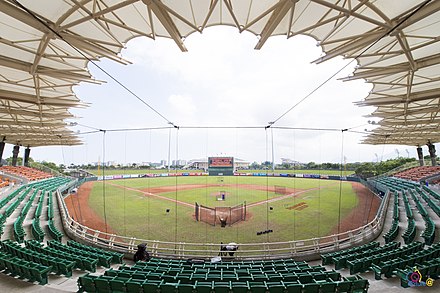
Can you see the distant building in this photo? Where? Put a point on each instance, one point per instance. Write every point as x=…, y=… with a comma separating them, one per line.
x=178, y=163
x=292, y=163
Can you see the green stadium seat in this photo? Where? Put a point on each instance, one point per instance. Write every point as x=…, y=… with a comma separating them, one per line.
x=293, y=286
x=343, y=286
x=102, y=283
x=134, y=286
x=258, y=287
x=118, y=284
x=222, y=287
x=152, y=285
x=275, y=287
x=203, y=286
x=327, y=286
x=311, y=287
x=358, y=284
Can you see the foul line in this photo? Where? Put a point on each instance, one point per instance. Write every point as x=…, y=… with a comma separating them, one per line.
x=152, y=194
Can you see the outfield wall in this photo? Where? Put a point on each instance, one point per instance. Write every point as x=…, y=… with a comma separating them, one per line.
x=306, y=249
x=179, y=174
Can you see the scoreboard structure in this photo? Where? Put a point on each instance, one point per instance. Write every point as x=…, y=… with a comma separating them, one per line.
x=221, y=166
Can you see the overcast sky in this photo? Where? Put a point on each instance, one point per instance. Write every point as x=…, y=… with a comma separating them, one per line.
x=221, y=81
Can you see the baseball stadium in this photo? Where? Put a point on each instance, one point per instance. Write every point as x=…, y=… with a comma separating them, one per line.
x=209, y=218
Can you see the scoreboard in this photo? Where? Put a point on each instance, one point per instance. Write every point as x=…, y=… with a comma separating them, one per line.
x=221, y=166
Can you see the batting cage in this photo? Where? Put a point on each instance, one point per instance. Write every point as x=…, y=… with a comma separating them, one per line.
x=220, y=215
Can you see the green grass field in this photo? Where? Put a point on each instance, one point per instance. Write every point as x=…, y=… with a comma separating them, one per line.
x=131, y=213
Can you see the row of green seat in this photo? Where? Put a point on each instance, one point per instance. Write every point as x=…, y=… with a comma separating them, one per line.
x=36, y=229
x=16, y=266
x=117, y=257
x=342, y=261
x=391, y=235
x=11, y=207
x=93, y=283
x=81, y=262
x=60, y=266
x=19, y=232
x=9, y=197
x=327, y=258
x=103, y=259
x=389, y=268
x=53, y=231
x=432, y=192
x=429, y=233
x=188, y=276
x=238, y=270
x=410, y=232
x=251, y=264
x=431, y=203
x=364, y=264
x=3, y=202
x=409, y=213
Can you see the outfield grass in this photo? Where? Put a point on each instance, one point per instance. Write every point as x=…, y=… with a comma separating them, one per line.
x=131, y=213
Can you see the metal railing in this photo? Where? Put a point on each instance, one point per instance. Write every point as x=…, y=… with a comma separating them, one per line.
x=300, y=249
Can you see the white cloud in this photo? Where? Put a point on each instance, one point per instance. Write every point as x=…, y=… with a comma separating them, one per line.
x=222, y=80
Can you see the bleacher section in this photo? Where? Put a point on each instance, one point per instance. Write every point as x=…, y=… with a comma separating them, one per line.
x=237, y=276
x=30, y=174
x=418, y=173
x=408, y=242
x=28, y=257
x=425, y=205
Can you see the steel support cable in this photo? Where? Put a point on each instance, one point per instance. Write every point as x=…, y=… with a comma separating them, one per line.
x=103, y=181
x=94, y=63
x=340, y=181
x=175, y=175
x=351, y=61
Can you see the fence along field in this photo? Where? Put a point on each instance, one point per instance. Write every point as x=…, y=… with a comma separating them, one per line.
x=164, y=208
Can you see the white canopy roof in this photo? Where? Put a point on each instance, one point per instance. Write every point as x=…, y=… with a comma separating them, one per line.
x=45, y=46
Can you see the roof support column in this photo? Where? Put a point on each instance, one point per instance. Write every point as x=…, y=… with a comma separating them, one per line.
x=27, y=152
x=420, y=155
x=431, y=149
x=2, y=148
x=15, y=152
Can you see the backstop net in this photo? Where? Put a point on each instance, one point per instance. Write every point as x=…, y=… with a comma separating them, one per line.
x=220, y=215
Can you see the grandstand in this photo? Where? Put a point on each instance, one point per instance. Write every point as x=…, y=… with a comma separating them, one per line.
x=45, y=50
x=26, y=173
x=419, y=173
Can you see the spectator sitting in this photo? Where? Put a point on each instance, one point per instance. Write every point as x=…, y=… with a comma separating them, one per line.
x=142, y=253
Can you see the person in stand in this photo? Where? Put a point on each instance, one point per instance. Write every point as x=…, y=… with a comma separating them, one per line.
x=223, y=222
x=142, y=253
x=231, y=248
x=222, y=250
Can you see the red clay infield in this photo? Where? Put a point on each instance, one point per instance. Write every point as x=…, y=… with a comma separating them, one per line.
x=80, y=210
